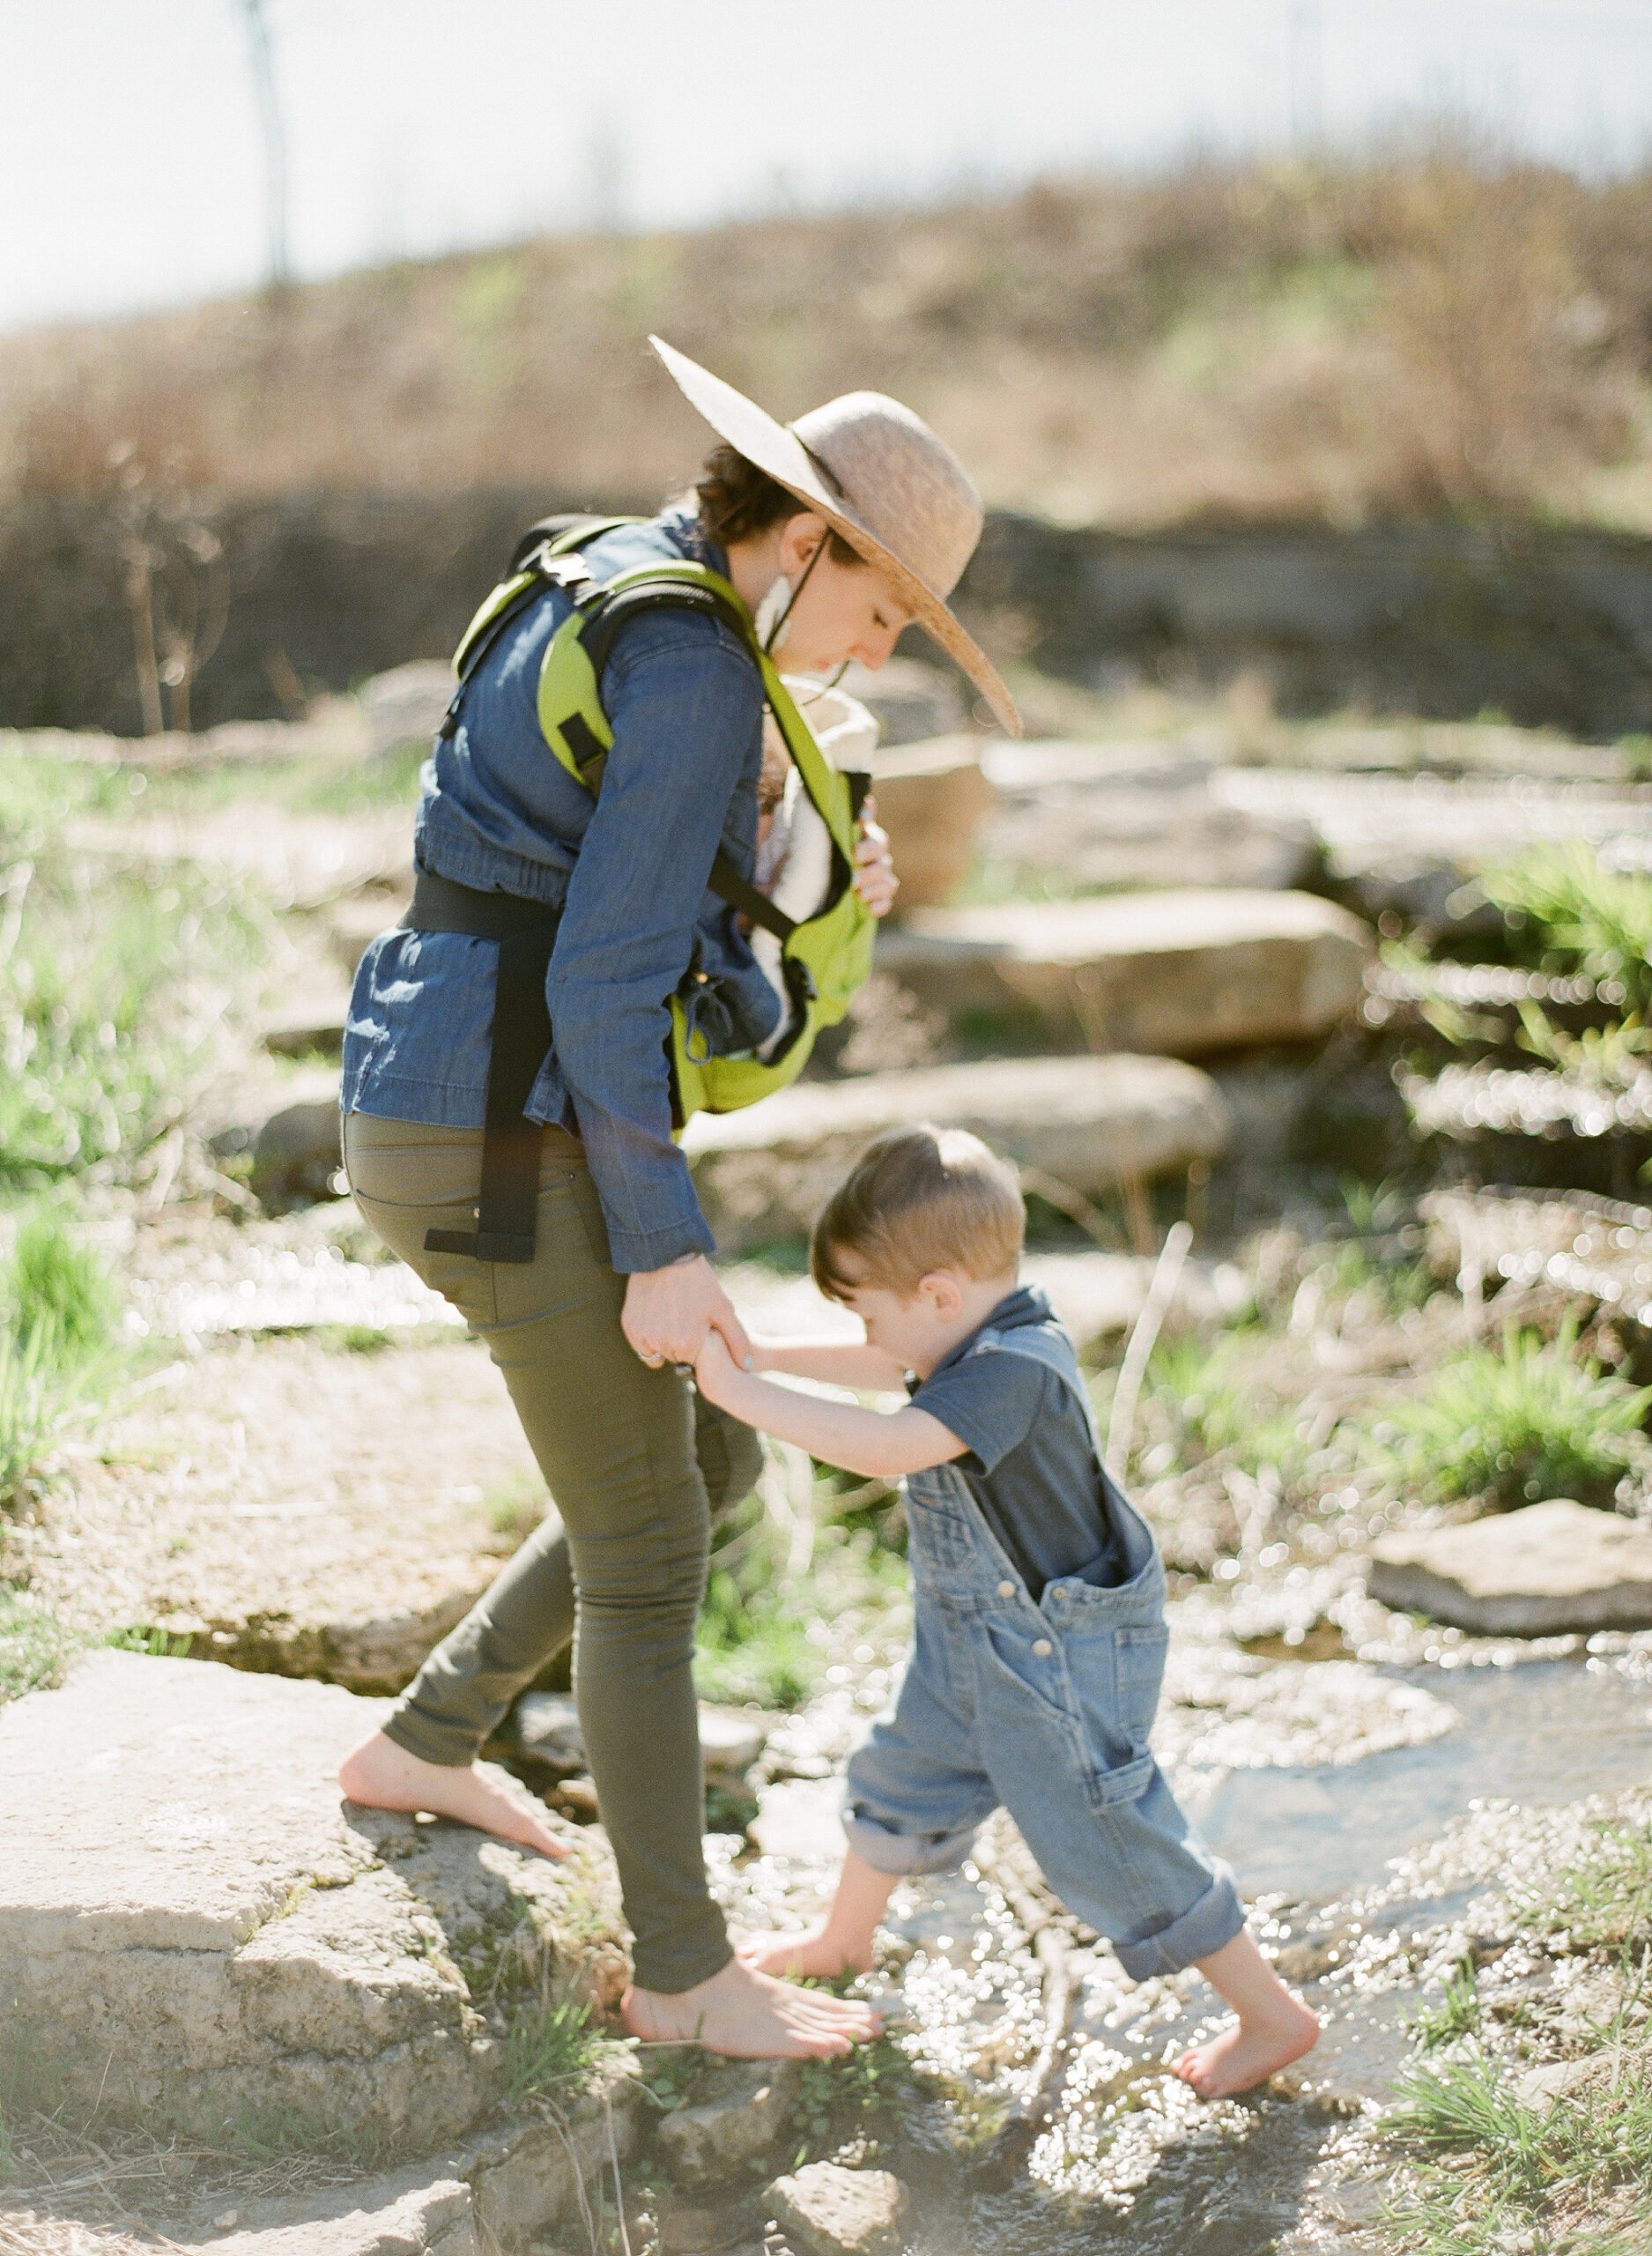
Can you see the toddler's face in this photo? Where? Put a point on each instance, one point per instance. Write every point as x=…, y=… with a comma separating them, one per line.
x=917, y=1329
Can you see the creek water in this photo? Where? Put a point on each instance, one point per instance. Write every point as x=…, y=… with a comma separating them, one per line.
x=1536, y=1731
x=1129, y=2159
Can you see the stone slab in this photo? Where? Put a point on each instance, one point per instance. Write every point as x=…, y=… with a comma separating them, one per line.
x=1104, y=816
x=766, y=1172
x=201, y=1932
x=1537, y=1572
x=1175, y=974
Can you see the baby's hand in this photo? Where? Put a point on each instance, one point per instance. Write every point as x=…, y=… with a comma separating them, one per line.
x=875, y=878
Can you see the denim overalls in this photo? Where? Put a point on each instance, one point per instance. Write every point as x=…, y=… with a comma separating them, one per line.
x=1045, y=1709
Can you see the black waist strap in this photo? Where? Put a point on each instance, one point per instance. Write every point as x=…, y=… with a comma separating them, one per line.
x=508, y=1210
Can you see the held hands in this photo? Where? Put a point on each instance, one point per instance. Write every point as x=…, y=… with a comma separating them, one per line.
x=669, y=1313
x=717, y=1374
x=875, y=878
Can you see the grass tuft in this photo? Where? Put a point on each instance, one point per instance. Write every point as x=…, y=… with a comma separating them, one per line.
x=552, y=2050
x=34, y=1647
x=1537, y=1420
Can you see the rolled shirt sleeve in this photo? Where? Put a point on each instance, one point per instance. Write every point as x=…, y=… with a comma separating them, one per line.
x=684, y=703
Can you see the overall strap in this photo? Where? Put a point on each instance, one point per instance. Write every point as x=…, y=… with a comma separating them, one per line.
x=1038, y=1345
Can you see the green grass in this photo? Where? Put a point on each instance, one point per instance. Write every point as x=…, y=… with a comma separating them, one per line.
x=34, y=1647
x=113, y=986
x=1215, y=1406
x=55, y=1282
x=1568, y=914
x=551, y=2052
x=1537, y=1419
x=845, y=2099
x=1488, y=2172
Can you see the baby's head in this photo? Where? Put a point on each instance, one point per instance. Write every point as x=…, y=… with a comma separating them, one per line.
x=922, y=1240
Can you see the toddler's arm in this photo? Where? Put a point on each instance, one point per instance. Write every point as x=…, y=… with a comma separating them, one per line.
x=879, y=1444
x=837, y=1362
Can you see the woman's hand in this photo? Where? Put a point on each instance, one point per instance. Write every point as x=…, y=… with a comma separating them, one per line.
x=875, y=878
x=668, y=1313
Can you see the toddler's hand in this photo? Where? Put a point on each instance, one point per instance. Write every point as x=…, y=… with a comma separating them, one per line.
x=714, y=1368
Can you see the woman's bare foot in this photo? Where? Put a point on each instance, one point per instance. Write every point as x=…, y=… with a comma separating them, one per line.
x=381, y=1775
x=749, y=2016
x=810, y=1950
x=1251, y=2050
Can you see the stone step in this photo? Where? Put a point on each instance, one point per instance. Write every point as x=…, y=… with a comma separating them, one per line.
x=1178, y=973
x=1088, y=1122
x=1110, y=815
x=198, y=1933
x=1537, y=1572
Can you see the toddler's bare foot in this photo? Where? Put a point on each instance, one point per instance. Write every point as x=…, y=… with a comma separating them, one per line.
x=749, y=2016
x=809, y=1950
x=1250, y=2052
x=381, y=1775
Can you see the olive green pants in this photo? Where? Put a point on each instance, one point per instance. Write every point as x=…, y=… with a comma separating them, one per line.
x=637, y=1466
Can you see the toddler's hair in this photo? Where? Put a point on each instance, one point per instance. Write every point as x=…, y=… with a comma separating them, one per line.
x=919, y=1199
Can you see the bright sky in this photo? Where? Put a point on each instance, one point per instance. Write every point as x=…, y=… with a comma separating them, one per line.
x=132, y=167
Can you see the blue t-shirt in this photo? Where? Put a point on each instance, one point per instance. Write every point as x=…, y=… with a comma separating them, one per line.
x=1031, y=1465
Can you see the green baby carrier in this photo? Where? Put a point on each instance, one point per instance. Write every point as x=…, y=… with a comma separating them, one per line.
x=823, y=957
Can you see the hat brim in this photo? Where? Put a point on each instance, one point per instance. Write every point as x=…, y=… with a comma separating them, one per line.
x=782, y=454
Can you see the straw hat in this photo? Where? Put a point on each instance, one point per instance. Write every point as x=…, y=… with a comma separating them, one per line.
x=878, y=475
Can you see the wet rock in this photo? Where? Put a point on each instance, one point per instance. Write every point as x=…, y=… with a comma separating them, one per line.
x=932, y=799
x=544, y=1726
x=738, y=2110
x=1169, y=973
x=406, y=705
x=195, y=1930
x=1109, y=816
x=837, y=2212
x=1534, y=1573
x=764, y=1173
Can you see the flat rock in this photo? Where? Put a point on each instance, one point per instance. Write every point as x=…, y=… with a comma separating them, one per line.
x=838, y=2212
x=766, y=1172
x=198, y=1932
x=1106, y=816
x=1537, y=1572
x=932, y=799
x=245, y=1501
x=738, y=2110
x=1175, y=974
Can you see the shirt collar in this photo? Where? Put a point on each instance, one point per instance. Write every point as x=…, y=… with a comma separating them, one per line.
x=1026, y=1304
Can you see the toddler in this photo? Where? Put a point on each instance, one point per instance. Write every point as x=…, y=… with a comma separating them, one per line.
x=1038, y=1630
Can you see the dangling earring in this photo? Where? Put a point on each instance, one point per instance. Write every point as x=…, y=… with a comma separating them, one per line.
x=770, y=620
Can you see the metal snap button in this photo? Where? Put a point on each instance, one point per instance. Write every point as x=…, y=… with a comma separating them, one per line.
x=1043, y=1647
x=1006, y=1590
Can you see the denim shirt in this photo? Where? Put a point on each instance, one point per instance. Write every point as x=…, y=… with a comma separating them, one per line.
x=499, y=813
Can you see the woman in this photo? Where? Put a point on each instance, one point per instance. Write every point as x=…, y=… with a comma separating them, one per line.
x=842, y=529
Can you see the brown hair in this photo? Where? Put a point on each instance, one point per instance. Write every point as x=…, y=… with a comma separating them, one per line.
x=737, y=500
x=919, y=1199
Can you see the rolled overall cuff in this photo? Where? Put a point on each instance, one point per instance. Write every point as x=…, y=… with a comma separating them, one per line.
x=904, y=1855
x=1215, y=1920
